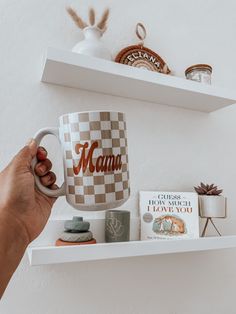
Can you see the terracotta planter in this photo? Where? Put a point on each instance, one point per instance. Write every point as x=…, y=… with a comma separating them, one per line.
x=212, y=206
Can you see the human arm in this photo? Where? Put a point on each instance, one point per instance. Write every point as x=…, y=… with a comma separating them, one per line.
x=24, y=210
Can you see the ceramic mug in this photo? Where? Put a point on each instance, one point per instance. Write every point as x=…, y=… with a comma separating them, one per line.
x=95, y=155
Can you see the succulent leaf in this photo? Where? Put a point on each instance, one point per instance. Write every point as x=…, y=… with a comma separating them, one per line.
x=207, y=189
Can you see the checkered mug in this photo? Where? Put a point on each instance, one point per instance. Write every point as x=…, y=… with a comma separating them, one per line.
x=95, y=155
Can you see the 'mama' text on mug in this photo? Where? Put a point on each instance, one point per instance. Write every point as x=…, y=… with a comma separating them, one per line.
x=103, y=163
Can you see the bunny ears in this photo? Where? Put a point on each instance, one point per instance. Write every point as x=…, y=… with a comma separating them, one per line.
x=102, y=24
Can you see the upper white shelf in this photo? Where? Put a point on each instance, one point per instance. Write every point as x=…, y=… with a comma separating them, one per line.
x=41, y=255
x=70, y=69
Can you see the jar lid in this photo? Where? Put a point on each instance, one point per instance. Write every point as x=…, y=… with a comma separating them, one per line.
x=198, y=67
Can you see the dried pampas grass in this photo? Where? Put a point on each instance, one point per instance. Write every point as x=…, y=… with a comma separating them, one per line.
x=102, y=25
x=91, y=16
x=78, y=21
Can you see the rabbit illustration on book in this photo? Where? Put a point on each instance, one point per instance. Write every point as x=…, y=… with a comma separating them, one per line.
x=169, y=225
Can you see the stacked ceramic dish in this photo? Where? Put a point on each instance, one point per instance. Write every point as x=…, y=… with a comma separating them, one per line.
x=76, y=233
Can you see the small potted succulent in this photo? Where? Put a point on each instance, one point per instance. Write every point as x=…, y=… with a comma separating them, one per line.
x=211, y=203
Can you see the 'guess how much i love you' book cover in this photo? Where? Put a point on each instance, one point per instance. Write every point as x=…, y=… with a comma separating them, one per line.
x=168, y=215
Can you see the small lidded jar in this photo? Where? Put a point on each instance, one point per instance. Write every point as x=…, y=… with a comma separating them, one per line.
x=199, y=73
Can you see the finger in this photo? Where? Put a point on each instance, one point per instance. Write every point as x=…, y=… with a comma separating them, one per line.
x=48, y=179
x=25, y=155
x=41, y=153
x=43, y=167
x=54, y=187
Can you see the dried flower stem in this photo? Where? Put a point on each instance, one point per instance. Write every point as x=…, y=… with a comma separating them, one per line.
x=78, y=21
x=91, y=16
x=102, y=24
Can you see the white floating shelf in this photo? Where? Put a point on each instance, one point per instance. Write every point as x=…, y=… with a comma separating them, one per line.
x=70, y=69
x=53, y=255
x=43, y=251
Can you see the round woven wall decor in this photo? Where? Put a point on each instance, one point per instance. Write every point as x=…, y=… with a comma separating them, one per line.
x=141, y=57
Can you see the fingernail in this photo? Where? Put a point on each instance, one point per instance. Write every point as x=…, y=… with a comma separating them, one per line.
x=43, y=168
x=42, y=149
x=31, y=143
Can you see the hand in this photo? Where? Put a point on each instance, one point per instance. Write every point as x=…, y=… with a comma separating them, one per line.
x=20, y=201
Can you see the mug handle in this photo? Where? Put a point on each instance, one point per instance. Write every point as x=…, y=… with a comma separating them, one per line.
x=38, y=138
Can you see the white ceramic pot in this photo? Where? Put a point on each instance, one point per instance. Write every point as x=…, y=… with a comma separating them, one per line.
x=92, y=44
x=212, y=206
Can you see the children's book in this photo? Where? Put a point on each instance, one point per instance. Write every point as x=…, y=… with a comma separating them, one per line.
x=168, y=215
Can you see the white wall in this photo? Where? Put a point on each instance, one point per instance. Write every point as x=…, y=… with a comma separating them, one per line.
x=177, y=148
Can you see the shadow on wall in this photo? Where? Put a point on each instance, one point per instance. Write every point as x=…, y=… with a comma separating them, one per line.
x=177, y=283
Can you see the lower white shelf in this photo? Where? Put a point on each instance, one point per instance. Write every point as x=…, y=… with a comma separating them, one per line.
x=42, y=255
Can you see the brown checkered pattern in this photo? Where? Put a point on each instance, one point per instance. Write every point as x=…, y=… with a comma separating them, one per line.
x=109, y=130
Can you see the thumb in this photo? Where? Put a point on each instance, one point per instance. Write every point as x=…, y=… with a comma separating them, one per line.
x=26, y=154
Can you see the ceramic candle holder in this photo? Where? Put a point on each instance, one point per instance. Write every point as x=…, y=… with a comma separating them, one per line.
x=117, y=226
